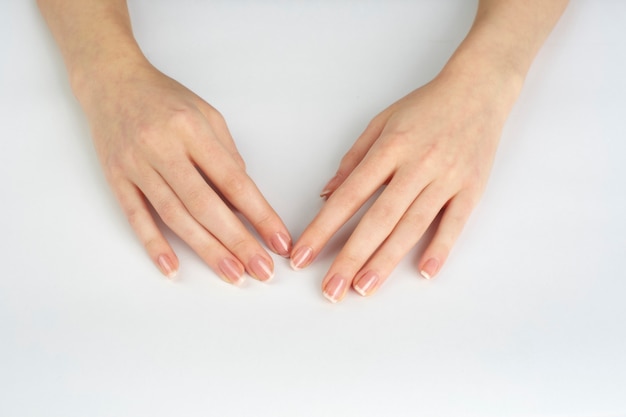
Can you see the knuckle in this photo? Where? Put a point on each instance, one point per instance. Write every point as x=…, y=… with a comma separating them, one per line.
x=475, y=180
x=134, y=216
x=234, y=183
x=169, y=212
x=114, y=168
x=238, y=244
x=467, y=204
x=399, y=138
x=215, y=116
x=153, y=244
x=145, y=136
x=387, y=259
x=376, y=122
x=197, y=200
x=466, y=199
x=185, y=120
x=263, y=220
x=416, y=219
x=352, y=259
x=159, y=139
x=395, y=146
x=237, y=157
x=385, y=214
x=351, y=158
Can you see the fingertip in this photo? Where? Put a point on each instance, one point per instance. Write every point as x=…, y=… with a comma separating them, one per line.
x=335, y=289
x=430, y=268
x=232, y=271
x=281, y=244
x=261, y=268
x=167, y=265
x=366, y=284
x=301, y=257
x=331, y=186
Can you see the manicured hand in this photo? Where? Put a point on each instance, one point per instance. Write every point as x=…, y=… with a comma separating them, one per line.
x=163, y=146
x=433, y=149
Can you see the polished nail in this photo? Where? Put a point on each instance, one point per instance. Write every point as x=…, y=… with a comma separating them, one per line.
x=281, y=244
x=232, y=271
x=430, y=268
x=335, y=288
x=261, y=268
x=166, y=266
x=301, y=258
x=366, y=283
x=329, y=187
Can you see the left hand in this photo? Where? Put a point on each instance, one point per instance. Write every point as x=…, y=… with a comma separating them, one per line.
x=434, y=149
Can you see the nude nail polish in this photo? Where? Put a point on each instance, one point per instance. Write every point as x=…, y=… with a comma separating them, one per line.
x=366, y=283
x=329, y=187
x=335, y=288
x=261, y=268
x=231, y=270
x=429, y=269
x=301, y=258
x=166, y=266
x=281, y=244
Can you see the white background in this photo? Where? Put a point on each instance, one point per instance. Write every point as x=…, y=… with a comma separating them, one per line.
x=527, y=318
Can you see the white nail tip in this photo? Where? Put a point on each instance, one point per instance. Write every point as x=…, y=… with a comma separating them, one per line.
x=360, y=290
x=330, y=298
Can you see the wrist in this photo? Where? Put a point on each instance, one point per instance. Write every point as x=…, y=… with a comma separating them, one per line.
x=487, y=73
x=103, y=65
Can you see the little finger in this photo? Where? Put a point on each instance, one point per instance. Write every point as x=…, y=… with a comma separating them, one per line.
x=404, y=237
x=453, y=220
x=138, y=214
x=208, y=209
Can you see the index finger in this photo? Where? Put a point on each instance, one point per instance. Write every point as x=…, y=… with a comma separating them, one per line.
x=228, y=176
x=366, y=178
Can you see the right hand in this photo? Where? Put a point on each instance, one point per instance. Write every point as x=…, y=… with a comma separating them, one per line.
x=161, y=144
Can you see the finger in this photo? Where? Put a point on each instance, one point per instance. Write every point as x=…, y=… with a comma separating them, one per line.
x=142, y=222
x=452, y=222
x=355, y=155
x=339, y=208
x=221, y=131
x=405, y=236
x=375, y=226
x=240, y=191
x=176, y=217
x=381, y=219
x=208, y=209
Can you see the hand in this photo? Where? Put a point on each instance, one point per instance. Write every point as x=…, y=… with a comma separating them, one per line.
x=434, y=149
x=160, y=144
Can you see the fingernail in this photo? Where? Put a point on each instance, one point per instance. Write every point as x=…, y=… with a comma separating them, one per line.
x=335, y=288
x=281, y=244
x=430, y=268
x=329, y=187
x=166, y=266
x=366, y=283
x=261, y=268
x=232, y=271
x=301, y=258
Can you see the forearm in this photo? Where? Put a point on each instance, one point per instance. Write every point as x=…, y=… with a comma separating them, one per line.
x=95, y=37
x=504, y=39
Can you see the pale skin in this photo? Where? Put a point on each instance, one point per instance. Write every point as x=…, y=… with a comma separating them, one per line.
x=162, y=145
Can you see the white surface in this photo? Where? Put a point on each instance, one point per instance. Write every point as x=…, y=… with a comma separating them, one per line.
x=526, y=319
